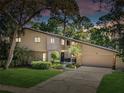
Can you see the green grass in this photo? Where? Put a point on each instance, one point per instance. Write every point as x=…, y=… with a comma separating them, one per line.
x=113, y=83
x=4, y=92
x=24, y=77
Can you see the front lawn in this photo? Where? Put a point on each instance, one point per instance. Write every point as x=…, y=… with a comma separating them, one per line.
x=4, y=91
x=24, y=77
x=113, y=83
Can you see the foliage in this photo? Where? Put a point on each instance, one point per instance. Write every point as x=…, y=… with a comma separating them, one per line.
x=77, y=65
x=57, y=66
x=4, y=50
x=74, y=50
x=70, y=66
x=22, y=56
x=4, y=92
x=51, y=26
x=41, y=65
x=74, y=29
x=115, y=17
x=112, y=83
x=121, y=46
x=67, y=8
x=24, y=77
x=100, y=37
x=55, y=55
x=21, y=12
x=82, y=21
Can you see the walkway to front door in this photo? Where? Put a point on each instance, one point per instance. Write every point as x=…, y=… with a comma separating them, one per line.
x=82, y=80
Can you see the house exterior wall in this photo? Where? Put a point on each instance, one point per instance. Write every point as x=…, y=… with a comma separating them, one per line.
x=89, y=54
x=27, y=40
x=93, y=56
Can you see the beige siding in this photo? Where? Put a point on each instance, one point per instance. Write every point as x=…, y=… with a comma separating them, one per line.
x=53, y=46
x=28, y=41
x=96, y=57
x=39, y=55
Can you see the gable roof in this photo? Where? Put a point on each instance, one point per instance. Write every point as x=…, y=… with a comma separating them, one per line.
x=79, y=41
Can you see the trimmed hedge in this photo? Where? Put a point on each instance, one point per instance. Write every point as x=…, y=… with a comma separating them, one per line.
x=41, y=65
x=57, y=66
x=70, y=66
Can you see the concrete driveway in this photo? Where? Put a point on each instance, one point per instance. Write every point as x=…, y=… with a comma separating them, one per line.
x=82, y=80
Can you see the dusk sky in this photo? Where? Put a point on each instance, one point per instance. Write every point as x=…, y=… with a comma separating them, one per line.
x=90, y=9
x=87, y=8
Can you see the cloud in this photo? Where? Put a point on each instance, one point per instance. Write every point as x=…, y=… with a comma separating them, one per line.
x=87, y=7
x=45, y=13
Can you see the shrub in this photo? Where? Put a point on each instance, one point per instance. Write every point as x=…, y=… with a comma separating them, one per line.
x=57, y=66
x=2, y=63
x=22, y=57
x=56, y=61
x=70, y=66
x=41, y=65
x=55, y=56
x=77, y=65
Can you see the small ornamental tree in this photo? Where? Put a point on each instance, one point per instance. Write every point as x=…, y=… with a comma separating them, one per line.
x=74, y=50
x=55, y=56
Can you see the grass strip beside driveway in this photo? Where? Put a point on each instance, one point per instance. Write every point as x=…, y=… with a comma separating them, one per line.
x=112, y=83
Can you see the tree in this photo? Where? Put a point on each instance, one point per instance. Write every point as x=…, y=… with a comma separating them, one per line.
x=82, y=21
x=100, y=37
x=67, y=8
x=116, y=18
x=74, y=50
x=55, y=55
x=52, y=25
x=75, y=29
x=21, y=12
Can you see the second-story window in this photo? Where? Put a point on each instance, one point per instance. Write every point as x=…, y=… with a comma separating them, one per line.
x=68, y=43
x=37, y=39
x=52, y=40
x=62, y=42
x=73, y=43
x=18, y=39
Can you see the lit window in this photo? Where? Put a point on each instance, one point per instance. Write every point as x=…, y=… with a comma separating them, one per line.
x=62, y=41
x=52, y=40
x=72, y=43
x=37, y=39
x=18, y=39
x=44, y=56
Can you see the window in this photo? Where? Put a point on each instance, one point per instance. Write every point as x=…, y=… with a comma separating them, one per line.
x=62, y=41
x=37, y=39
x=52, y=40
x=68, y=43
x=44, y=56
x=18, y=39
x=72, y=43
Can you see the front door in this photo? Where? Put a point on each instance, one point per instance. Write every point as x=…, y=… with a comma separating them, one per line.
x=62, y=57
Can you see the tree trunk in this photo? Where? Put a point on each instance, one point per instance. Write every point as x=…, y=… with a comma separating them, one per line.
x=11, y=51
x=64, y=24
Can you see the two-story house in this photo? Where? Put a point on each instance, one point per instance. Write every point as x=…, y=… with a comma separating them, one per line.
x=43, y=43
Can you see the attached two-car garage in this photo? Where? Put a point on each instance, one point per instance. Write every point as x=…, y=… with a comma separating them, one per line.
x=93, y=55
